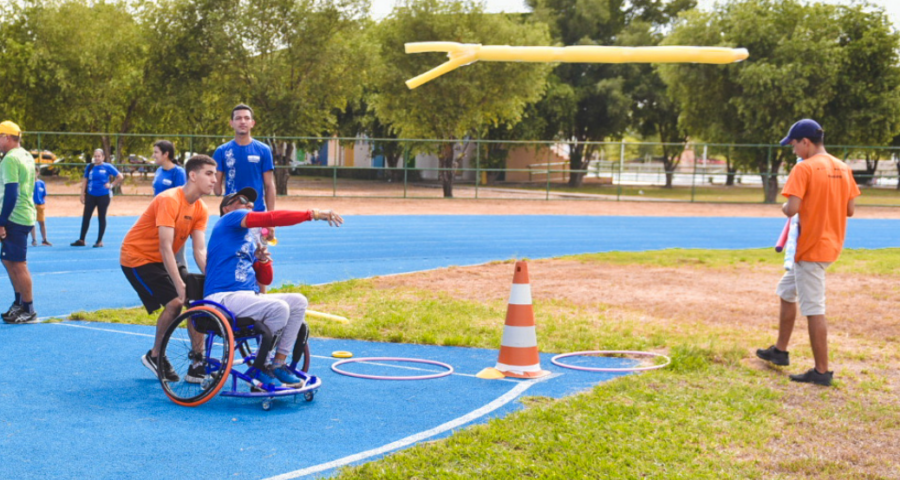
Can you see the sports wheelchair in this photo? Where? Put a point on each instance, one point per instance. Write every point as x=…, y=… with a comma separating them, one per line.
x=208, y=334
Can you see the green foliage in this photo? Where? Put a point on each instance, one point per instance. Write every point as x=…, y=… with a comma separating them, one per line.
x=591, y=102
x=452, y=106
x=462, y=103
x=854, y=83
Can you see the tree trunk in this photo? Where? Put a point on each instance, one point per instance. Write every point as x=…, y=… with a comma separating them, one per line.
x=392, y=153
x=281, y=156
x=730, y=172
x=769, y=175
x=445, y=163
x=670, y=163
x=576, y=163
x=898, y=173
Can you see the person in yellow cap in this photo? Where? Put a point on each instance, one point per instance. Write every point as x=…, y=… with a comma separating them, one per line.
x=16, y=220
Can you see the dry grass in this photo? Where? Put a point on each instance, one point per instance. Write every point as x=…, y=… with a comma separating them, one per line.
x=850, y=431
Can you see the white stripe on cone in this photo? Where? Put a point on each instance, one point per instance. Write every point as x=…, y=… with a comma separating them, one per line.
x=520, y=294
x=518, y=368
x=519, y=337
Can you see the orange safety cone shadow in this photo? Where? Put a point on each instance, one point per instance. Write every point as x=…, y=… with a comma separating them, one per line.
x=519, y=356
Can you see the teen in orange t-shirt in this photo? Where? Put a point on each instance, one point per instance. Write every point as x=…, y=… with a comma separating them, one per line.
x=821, y=190
x=148, y=251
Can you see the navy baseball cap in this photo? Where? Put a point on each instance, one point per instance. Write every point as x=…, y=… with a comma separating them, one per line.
x=806, y=128
x=247, y=192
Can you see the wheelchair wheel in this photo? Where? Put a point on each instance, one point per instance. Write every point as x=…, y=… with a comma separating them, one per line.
x=300, y=356
x=211, y=350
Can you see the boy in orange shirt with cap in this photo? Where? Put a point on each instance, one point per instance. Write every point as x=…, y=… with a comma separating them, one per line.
x=822, y=190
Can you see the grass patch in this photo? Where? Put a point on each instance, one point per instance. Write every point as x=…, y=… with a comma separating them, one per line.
x=884, y=261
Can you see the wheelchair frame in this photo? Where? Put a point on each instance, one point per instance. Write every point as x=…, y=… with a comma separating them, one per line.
x=222, y=335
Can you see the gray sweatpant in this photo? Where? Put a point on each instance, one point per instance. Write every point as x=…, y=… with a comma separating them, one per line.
x=284, y=312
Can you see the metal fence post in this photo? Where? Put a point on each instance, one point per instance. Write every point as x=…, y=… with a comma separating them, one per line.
x=477, y=165
x=621, y=166
x=693, y=177
x=769, y=175
x=549, y=172
x=405, y=160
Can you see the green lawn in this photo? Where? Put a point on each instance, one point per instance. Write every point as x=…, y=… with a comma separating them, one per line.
x=696, y=419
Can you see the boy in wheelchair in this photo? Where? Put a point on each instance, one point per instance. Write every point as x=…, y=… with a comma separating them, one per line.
x=237, y=263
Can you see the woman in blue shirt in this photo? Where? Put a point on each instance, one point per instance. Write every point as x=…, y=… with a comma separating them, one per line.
x=99, y=179
x=169, y=175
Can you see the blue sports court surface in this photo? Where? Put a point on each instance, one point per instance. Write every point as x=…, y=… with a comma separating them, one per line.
x=75, y=401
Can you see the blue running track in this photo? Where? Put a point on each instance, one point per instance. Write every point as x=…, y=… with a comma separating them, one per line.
x=75, y=402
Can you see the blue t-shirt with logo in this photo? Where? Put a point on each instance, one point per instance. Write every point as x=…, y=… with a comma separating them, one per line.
x=97, y=176
x=165, y=179
x=230, y=255
x=243, y=166
x=40, y=192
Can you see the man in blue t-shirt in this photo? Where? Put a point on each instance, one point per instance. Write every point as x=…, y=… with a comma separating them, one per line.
x=245, y=162
x=40, y=199
x=236, y=260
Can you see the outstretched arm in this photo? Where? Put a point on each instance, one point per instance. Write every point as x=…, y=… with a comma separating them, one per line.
x=284, y=218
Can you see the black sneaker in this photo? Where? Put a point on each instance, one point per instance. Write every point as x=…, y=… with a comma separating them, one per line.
x=152, y=363
x=13, y=312
x=774, y=355
x=195, y=374
x=22, y=318
x=813, y=376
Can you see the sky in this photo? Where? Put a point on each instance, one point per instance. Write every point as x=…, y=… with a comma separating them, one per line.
x=381, y=8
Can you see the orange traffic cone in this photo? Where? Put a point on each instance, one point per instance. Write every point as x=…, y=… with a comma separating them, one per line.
x=519, y=356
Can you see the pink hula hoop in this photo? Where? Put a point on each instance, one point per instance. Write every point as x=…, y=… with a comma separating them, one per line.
x=555, y=361
x=391, y=359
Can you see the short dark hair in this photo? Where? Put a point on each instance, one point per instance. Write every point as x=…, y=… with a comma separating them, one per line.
x=241, y=106
x=818, y=138
x=166, y=147
x=197, y=162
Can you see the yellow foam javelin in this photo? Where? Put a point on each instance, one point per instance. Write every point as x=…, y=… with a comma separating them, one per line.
x=326, y=316
x=465, y=53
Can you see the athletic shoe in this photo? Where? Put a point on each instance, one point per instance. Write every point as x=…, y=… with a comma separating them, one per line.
x=23, y=317
x=263, y=377
x=195, y=374
x=98, y=244
x=152, y=364
x=46, y=243
x=813, y=376
x=287, y=377
x=13, y=312
x=34, y=243
x=78, y=243
x=774, y=355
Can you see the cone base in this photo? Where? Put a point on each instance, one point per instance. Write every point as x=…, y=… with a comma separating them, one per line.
x=537, y=374
x=490, y=373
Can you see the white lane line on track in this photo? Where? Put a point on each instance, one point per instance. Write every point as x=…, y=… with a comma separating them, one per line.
x=404, y=442
x=314, y=356
x=103, y=329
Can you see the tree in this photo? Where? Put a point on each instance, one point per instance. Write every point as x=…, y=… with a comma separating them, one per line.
x=299, y=62
x=599, y=94
x=796, y=69
x=81, y=66
x=453, y=106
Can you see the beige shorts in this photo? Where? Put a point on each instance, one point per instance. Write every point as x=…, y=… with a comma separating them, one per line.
x=40, y=212
x=805, y=283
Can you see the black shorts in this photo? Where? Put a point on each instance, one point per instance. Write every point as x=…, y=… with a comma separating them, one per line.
x=153, y=284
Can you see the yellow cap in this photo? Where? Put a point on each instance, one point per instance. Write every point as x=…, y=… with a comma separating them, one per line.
x=10, y=128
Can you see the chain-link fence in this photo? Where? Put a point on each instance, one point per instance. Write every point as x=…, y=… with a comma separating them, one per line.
x=541, y=170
